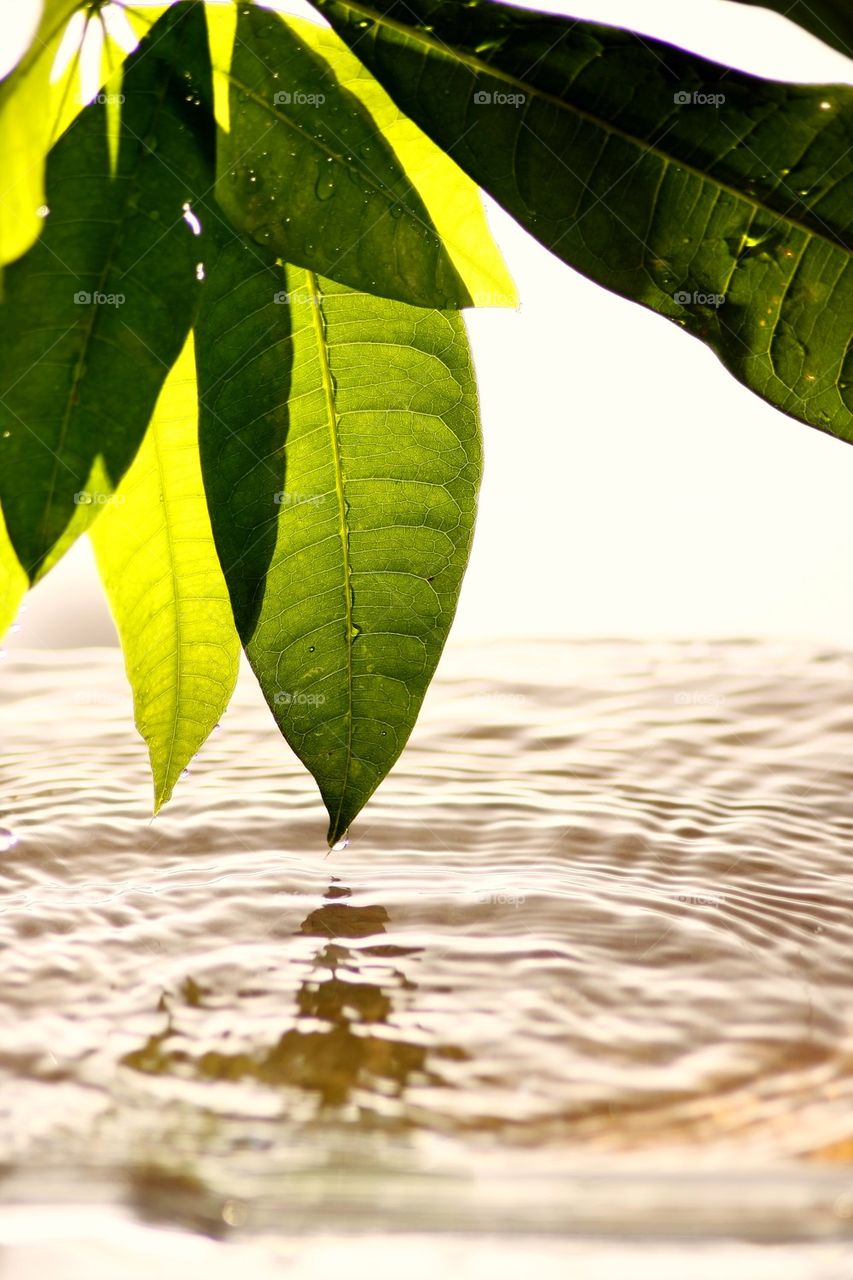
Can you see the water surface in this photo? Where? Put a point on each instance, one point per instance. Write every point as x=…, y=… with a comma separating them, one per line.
x=586, y=964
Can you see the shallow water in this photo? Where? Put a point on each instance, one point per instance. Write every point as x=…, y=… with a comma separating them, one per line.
x=585, y=965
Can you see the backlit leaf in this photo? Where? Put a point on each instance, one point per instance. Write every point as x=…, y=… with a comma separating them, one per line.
x=13, y=580
x=36, y=106
x=341, y=457
x=719, y=200
x=829, y=20
x=97, y=311
x=156, y=556
x=319, y=167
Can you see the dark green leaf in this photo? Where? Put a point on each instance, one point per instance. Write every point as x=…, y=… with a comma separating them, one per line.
x=306, y=172
x=341, y=457
x=96, y=312
x=829, y=20
x=719, y=200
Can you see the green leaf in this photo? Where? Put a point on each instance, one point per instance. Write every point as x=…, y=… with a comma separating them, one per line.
x=320, y=168
x=36, y=107
x=13, y=580
x=341, y=457
x=97, y=311
x=730, y=216
x=156, y=557
x=829, y=20
x=25, y=132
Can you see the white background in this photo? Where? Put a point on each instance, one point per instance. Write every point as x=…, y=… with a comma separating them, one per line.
x=632, y=486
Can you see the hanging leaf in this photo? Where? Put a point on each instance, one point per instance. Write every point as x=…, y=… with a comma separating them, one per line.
x=341, y=457
x=156, y=557
x=13, y=581
x=39, y=100
x=319, y=167
x=97, y=311
x=719, y=200
x=829, y=20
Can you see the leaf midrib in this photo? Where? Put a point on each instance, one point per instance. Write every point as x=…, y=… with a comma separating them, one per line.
x=318, y=324
x=480, y=67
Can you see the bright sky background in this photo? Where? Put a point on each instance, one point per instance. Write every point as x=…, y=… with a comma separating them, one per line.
x=632, y=487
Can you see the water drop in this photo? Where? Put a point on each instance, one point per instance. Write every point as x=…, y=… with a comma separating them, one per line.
x=234, y=1212
x=341, y=844
x=185, y=773
x=8, y=840
x=310, y=648
x=190, y=219
x=199, y=271
x=324, y=187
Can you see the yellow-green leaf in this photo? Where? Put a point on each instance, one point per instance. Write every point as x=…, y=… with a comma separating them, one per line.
x=13, y=580
x=317, y=165
x=36, y=107
x=156, y=556
x=451, y=198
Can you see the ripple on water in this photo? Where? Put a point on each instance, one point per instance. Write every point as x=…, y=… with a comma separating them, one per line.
x=600, y=914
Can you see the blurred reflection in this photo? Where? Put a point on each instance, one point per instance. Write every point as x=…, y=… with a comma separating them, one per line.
x=343, y=1042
